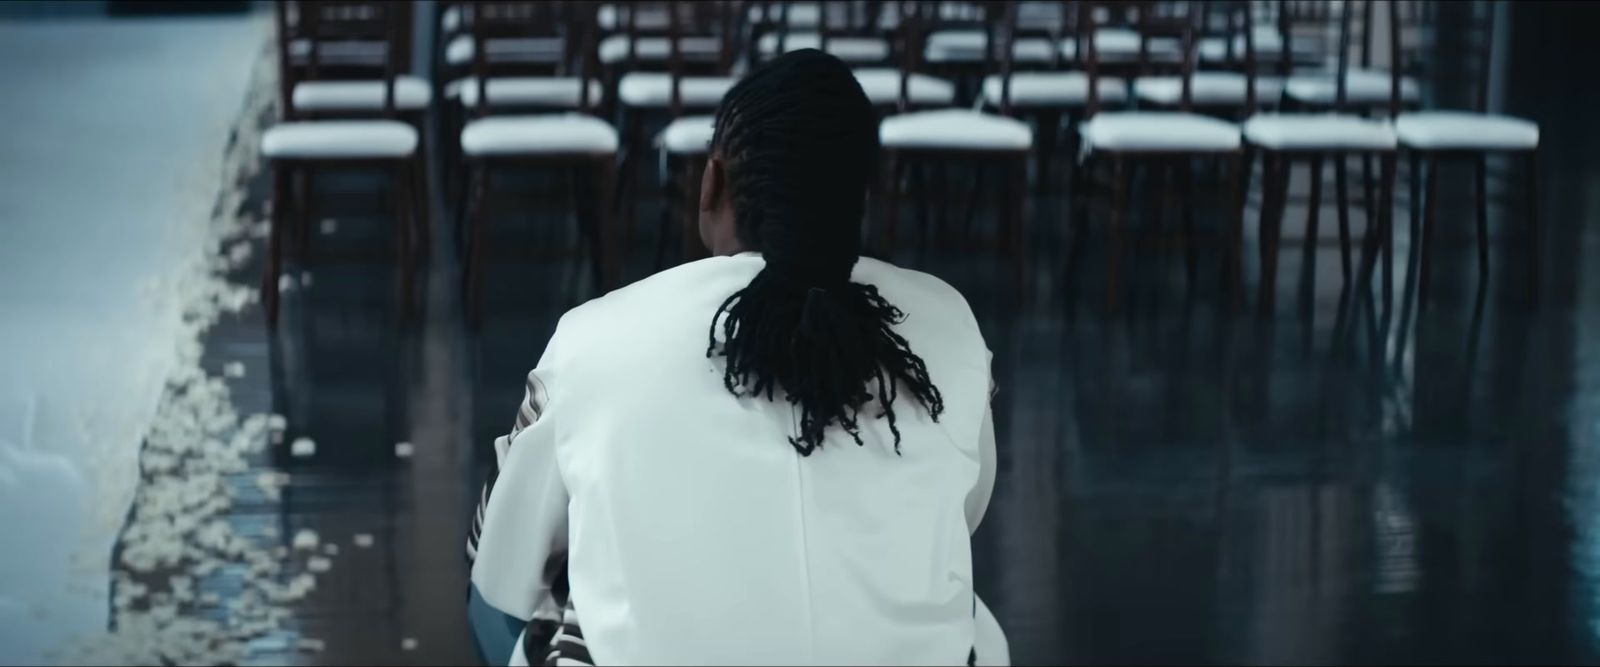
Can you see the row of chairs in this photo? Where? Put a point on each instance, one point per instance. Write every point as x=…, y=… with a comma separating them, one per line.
x=584, y=86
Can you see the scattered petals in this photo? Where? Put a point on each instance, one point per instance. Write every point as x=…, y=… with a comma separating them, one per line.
x=303, y=448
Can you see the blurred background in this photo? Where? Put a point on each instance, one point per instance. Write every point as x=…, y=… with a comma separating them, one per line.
x=1297, y=346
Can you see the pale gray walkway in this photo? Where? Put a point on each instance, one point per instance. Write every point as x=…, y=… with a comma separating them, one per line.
x=111, y=138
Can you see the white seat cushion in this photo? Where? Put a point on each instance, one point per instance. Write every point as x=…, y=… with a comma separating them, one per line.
x=1159, y=131
x=550, y=134
x=339, y=139
x=654, y=89
x=1207, y=89
x=848, y=49
x=882, y=86
x=1306, y=131
x=614, y=49
x=1362, y=87
x=1053, y=89
x=1122, y=44
x=511, y=91
x=689, y=135
x=969, y=46
x=410, y=94
x=548, y=50
x=955, y=129
x=1463, y=130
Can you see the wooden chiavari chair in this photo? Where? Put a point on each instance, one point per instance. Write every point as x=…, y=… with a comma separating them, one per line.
x=299, y=144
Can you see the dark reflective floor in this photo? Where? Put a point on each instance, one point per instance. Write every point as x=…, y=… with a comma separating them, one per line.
x=1336, y=482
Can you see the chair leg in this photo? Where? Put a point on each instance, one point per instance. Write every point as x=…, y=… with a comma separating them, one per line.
x=1313, y=218
x=1368, y=201
x=1481, y=190
x=917, y=183
x=692, y=246
x=627, y=173
x=606, y=254
x=978, y=181
x=403, y=231
x=421, y=207
x=1045, y=148
x=477, y=214
x=1079, y=182
x=1275, y=172
x=1119, y=205
x=275, y=231
x=941, y=212
x=1013, y=192
x=1341, y=193
x=1186, y=215
x=302, y=212
x=665, y=219
x=1531, y=173
x=1386, y=226
x=1430, y=203
x=891, y=199
x=1415, y=206
x=1369, y=207
x=1238, y=173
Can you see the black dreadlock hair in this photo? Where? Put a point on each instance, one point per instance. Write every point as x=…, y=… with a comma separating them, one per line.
x=800, y=141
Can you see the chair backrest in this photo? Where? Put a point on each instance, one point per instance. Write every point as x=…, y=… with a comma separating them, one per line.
x=1006, y=24
x=1173, y=21
x=1352, y=20
x=1235, y=23
x=718, y=20
x=326, y=28
x=1015, y=20
x=837, y=18
x=571, y=25
x=1453, y=51
x=913, y=20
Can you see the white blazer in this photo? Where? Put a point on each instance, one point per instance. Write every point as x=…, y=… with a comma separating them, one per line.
x=696, y=534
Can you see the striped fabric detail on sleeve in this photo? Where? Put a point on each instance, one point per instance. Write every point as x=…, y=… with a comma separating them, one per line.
x=566, y=647
x=533, y=402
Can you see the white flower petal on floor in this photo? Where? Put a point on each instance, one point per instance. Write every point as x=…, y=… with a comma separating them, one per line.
x=408, y=644
x=177, y=544
x=403, y=450
x=303, y=448
x=363, y=540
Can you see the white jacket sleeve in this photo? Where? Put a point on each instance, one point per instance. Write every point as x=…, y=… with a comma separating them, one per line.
x=978, y=497
x=521, y=529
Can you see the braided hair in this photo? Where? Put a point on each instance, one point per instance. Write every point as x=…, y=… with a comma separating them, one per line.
x=799, y=142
